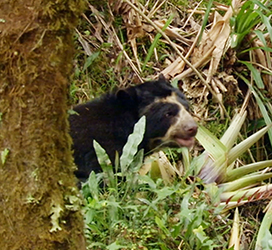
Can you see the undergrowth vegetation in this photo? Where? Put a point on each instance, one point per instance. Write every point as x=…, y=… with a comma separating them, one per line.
x=216, y=195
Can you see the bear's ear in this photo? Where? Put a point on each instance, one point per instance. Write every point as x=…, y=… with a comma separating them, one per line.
x=127, y=96
x=162, y=77
x=163, y=80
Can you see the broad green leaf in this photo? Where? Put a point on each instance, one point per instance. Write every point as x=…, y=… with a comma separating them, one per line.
x=212, y=145
x=101, y=154
x=131, y=147
x=93, y=185
x=115, y=246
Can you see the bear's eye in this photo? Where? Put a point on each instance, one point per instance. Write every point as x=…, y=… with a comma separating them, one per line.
x=169, y=114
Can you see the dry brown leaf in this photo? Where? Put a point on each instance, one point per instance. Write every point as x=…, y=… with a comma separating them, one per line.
x=173, y=33
x=160, y=167
x=216, y=37
x=174, y=68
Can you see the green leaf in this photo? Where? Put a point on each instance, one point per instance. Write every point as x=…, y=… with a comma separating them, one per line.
x=93, y=185
x=244, y=194
x=155, y=42
x=239, y=149
x=236, y=173
x=90, y=60
x=261, y=105
x=131, y=147
x=256, y=74
x=101, y=154
x=166, y=192
x=211, y=143
x=4, y=155
x=115, y=246
x=161, y=225
x=231, y=134
x=205, y=19
x=264, y=237
x=213, y=158
x=244, y=182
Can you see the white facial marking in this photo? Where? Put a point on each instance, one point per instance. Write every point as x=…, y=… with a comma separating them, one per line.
x=177, y=131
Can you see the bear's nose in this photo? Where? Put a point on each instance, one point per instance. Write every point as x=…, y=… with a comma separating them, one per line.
x=191, y=129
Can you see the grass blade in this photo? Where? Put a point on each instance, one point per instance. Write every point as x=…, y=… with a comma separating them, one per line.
x=155, y=42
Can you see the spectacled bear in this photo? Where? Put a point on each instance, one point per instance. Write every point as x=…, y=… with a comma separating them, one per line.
x=110, y=119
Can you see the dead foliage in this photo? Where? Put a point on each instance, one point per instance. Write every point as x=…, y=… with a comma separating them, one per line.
x=199, y=58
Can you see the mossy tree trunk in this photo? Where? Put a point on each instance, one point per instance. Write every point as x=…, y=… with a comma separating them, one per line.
x=39, y=202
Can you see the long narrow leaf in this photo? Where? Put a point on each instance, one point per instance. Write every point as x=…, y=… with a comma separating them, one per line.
x=215, y=150
x=155, y=42
x=239, y=149
x=235, y=232
x=211, y=143
x=267, y=22
x=233, y=174
x=256, y=74
x=231, y=134
x=260, y=191
x=264, y=237
x=261, y=106
x=244, y=182
x=101, y=154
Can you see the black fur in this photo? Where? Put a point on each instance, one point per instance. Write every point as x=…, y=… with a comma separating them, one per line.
x=110, y=119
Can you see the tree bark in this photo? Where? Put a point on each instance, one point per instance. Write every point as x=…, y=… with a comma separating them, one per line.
x=39, y=201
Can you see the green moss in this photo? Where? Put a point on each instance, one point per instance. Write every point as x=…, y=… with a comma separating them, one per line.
x=36, y=51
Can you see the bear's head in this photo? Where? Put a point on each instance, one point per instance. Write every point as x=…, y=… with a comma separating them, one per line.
x=168, y=121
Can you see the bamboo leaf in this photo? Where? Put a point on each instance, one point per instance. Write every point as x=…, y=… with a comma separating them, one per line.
x=244, y=182
x=233, y=174
x=212, y=145
x=239, y=149
x=231, y=134
x=246, y=194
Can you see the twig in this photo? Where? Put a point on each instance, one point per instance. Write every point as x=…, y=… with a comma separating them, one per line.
x=178, y=52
